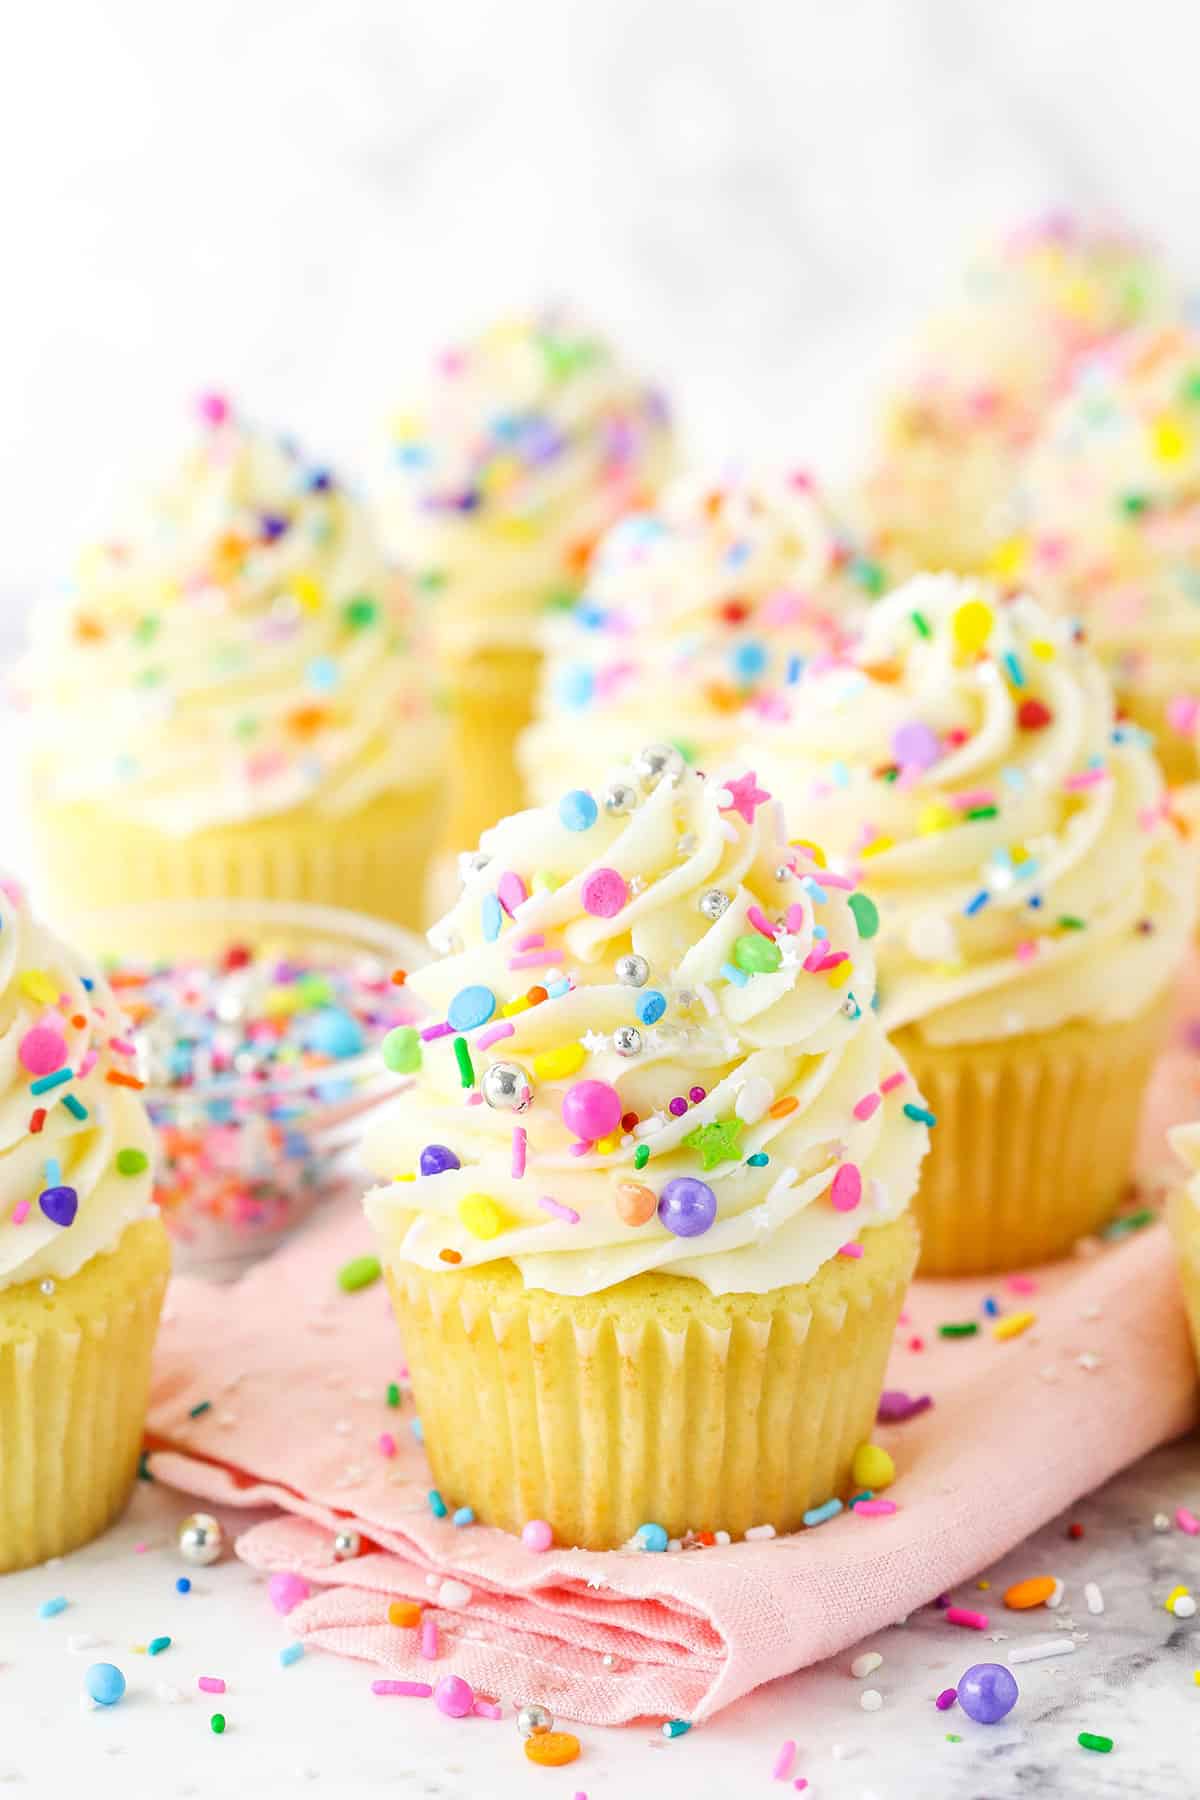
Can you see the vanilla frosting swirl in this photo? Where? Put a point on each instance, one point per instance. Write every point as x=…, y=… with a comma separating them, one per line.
x=965, y=766
x=241, y=650
x=757, y=1090
x=76, y=1146
x=693, y=612
x=495, y=485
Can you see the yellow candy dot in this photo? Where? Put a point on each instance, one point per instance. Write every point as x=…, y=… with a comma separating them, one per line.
x=972, y=625
x=606, y=1145
x=409, y=1177
x=873, y=1468
x=542, y=881
x=481, y=1215
x=1043, y=649
x=1170, y=439
x=515, y=529
x=557, y=1064
x=879, y=846
x=278, y=1002
x=814, y=850
x=37, y=985
x=840, y=976
x=1009, y=558
x=307, y=590
x=935, y=815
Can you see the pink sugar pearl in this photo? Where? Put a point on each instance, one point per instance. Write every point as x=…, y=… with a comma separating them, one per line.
x=537, y=1535
x=287, y=1590
x=591, y=1109
x=454, y=1696
x=42, y=1050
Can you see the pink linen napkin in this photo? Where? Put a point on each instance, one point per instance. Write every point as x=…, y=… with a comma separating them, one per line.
x=296, y=1372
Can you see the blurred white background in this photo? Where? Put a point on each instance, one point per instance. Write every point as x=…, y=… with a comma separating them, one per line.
x=297, y=201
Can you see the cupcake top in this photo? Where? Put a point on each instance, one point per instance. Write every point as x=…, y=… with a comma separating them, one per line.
x=240, y=650
x=1185, y=1142
x=964, y=764
x=75, y=1142
x=653, y=1049
x=985, y=369
x=527, y=445
x=1108, y=512
x=693, y=612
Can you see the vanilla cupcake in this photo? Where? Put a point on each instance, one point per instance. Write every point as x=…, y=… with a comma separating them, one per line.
x=497, y=483
x=235, y=699
x=975, y=387
x=1036, y=896
x=645, y=1207
x=1106, y=526
x=1183, y=1217
x=694, y=612
x=83, y=1254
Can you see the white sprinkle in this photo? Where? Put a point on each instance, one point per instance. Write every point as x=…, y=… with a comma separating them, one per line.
x=1161, y=1522
x=843, y=1752
x=1184, y=1607
x=1089, y=1361
x=1055, y=1600
x=1094, y=1598
x=753, y=1099
x=79, y=1641
x=871, y=1700
x=866, y=1664
x=172, y=1695
x=759, y=1531
x=1037, y=1649
x=453, y=1594
x=723, y=1538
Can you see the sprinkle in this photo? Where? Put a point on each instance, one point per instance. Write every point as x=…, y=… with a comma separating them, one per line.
x=1187, y=1521
x=641, y=1156
x=558, y=1210
x=891, y=1082
x=1013, y=1325
x=75, y=1106
x=494, y=1033
x=577, y=810
x=291, y=1653
x=946, y=1699
x=920, y=1115
x=412, y=1690
x=118, y=1078
x=874, y=1509
x=1034, y=1591
x=738, y=976
x=359, y=1272
x=604, y=893
x=491, y=918
x=779, y=1109
x=217, y=1724
x=429, y=1640
x=401, y=1050
x=387, y=1444
x=463, y=1515
x=131, y=1162
x=675, y=1728
x=430, y=1032
x=976, y=903
x=211, y=1684
x=454, y=1595
x=198, y=1411
x=183, y=1585
x=971, y=1621
x=437, y=1505
x=895, y=1407
x=50, y=1609
x=559, y=1063
x=817, y=1515
x=38, y=1120
x=520, y=1143
x=45, y=1083
x=845, y=1192
x=1086, y=778
x=760, y=923
x=967, y=1328
x=864, y=1109
x=784, y=1762
x=1091, y=1740
x=157, y=1645
x=463, y=1058
x=1038, y=1649
x=866, y=1664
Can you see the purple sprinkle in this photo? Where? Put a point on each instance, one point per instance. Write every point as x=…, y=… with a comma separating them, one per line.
x=946, y=1699
x=696, y=1095
x=915, y=746
x=677, y=1107
x=943, y=1600
x=445, y=1029
x=895, y=1406
x=60, y=1205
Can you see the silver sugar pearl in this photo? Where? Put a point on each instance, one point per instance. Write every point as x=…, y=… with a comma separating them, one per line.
x=633, y=970
x=505, y=1086
x=783, y=873
x=346, y=1544
x=619, y=799
x=201, y=1539
x=534, y=1718
x=627, y=1040
x=713, y=902
x=656, y=762
x=471, y=862
x=1161, y=1522
x=46, y=1286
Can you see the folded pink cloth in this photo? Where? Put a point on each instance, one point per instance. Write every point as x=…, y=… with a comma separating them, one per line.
x=295, y=1373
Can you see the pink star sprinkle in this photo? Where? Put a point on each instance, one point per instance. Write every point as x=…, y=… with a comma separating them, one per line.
x=745, y=796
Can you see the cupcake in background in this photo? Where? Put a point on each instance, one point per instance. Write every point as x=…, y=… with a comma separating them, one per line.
x=83, y=1254
x=528, y=445
x=975, y=387
x=645, y=1208
x=1036, y=898
x=1183, y=1217
x=235, y=699
x=693, y=612
x=1105, y=525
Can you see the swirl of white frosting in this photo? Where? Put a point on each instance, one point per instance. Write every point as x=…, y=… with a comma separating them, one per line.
x=242, y=650
x=964, y=765
x=757, y=1075
x=693, y=613
x=92, y=1151
x=496, y=484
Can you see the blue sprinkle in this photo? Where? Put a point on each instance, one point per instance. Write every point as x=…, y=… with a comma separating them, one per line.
x=50, y=1609
x=465, y=1515
x=758, y=1161
x=574, y=687
x=991, y=1308
x=157, y=1645
x=104, y=1683
x=323, y=674
x=291, y=1653
x=1015, y=672
x=1035, y=901
x=795, y=669
x=739, y=977
x=651, y=1537
x=558, y=987
x=976, y=903
x=75, y=1106
x=819, y=1514
x=471, y=1007
x=491, y=918
x=839, y=774
x=920, y=1115
x=650, y=1006
x=183, y=1585
x=53, y=1171
x=44, y=1083
x=748, y=662
x=814, y=889
x=820, y=931
x=676, y=1728
x=437, y=1505
x=334, y=1032
x=418, y=1430
x=578, y=811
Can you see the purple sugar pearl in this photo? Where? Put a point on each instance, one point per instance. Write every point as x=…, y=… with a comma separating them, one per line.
x=696, y=1095
x=987, y=1693
x=687, y=1207
x=677, y=1107
x=436, y=1159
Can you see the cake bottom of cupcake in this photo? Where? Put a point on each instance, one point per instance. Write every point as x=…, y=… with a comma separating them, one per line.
x=371, y=860
x=1177, y=751
x=652, y=1402
x=74, y=1381
x=1035, y=1138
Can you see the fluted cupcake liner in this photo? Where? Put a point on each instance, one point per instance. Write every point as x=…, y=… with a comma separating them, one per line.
x=1034, y=1143
x=653, y=1401
x=1176, y=751
x=74, y=1380
x=1183, y=1218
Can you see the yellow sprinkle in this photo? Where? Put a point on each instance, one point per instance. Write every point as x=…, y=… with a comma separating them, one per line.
x=501, y=475
x=840, y=976
x=949, y=968
x=983, y=1585
x=935, y=815
x=1170, y=439
x=514, y=1007
x=1196, y=1677
x=38, y=986
x=516, y=529
x=409, y=1177
x=557, y=1064
x=606, y=1145
x=1009, y=558
x=872, y=1467
x=481, y=1215
x=814, y=850
x=879, y=846
x=542, y=881
x=1013, y=1326
x=1175, y=1594
x=278, y=1002
x=1043, y=649
x=972, y=625
x=307, y=590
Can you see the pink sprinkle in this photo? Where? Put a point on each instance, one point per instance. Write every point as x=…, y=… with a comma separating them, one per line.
x=760, y=922
x=141, y=1547
x=846, y=1189
x=122, y=1046
x=1187, y=1521
x=520, y=1143
x=536, y=959
x=445, y=1029
x=960, y=1615
x=796, y=917
x=875, y=1509
x=88, y=1064
x=891, y=1082
x=1026, y=950
x=800, y=1784
x=819, y=959
x=827, y=879
x=1086, y=778
x=604, y=893
x=503, y=1028
x=511, y=891
x=867, y=1106
x=854, y=1250
x=946, y=1699
x=20, y=1212
x=973, y=797
x=429, y=1640
x=783, y=1763
x=1021, y=1284
x=415, y=1690
x=211, y=1684
x=530, y=940
x=486, y=1709
x=387, y=1444
x=1183, y=713
x=558, y=1209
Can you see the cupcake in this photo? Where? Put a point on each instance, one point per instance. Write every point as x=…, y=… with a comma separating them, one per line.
x=1036, y=897
x=692, y=612
x=83, y=1254
x=975, y=387
x=1106, y=526
x=1183, y=1217
x=530, y=442
x=645, y=1211
x=235, y=699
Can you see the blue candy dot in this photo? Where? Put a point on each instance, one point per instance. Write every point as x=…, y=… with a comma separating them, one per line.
x=748, y=661
x=491, y=918
x=471, y=1006
x=650, y=1006
x=573, y=687
x=323, y=674
x=578, y=811
x=651, y=1537
x=335, y=1033
x=437, y=1158
x=183, y=1585
x=105, y=1683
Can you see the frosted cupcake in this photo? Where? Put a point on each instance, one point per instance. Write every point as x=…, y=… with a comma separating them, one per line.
x=692, y=613
x=977, y=384
x=83, y=1255
x=1036, y=899
x=1183, y=1216
x=645, y=1217
x=235, y=699
x=530, y=442
x=1107, y=527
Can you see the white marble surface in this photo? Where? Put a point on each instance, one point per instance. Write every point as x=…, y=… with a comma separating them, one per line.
x=316, y=1728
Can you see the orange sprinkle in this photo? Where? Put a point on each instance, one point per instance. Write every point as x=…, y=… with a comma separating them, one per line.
x=780, y=1109
x=123, y=978
x=450, y=1256
x=118, y=1078
x=306, y=721
x=552, y=1749
x=78, y=1021
x=1034, y=1592
x=535, y=995
x=404, y=1612
x=399, y=977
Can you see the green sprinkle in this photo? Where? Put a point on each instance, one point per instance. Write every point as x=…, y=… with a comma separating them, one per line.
x=756, y=954
x=967, y=1329
x=560, y=600
x=75, y=1106
x=143, y=1470
x=641, y=1156
x=922, y=624
x=869, y=575
x=146, y=629
x=983, y=812
x=359, y=1272
x=866, y=914
x=132, y=1162
x=156, y=1646
x=1068, y=922
x=393, y=1393
x=315, y=990
x=360, y=612
x=465, y=1067
x=1090, y=1740
x=1132, y=505
x=920, y=1115
x=217, y=1723
x=953, y=1737
x=1118, y=1228
x=1189, y=388
x=402, y=1050
x=200, y=1408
